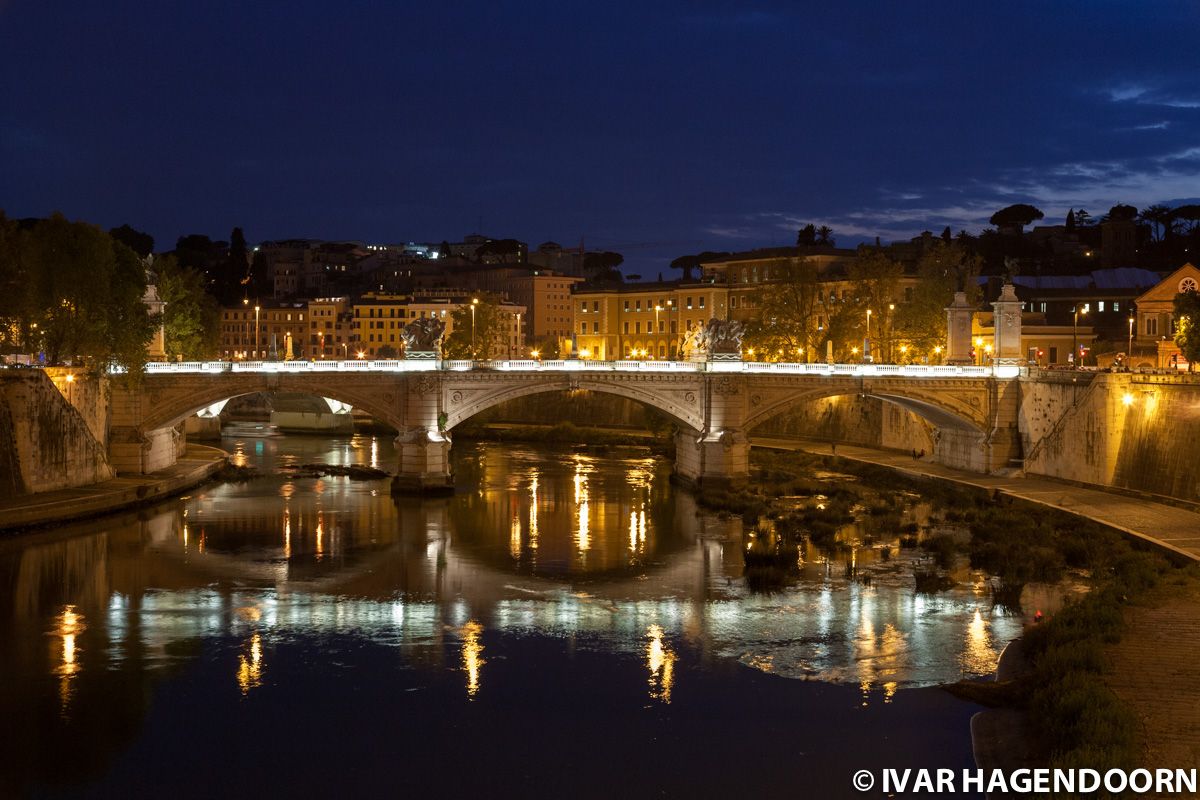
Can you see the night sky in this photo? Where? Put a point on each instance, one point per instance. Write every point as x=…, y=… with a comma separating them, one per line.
x=653, y=128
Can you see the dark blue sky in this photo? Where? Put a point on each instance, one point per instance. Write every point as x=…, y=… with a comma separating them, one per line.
x=659, y=128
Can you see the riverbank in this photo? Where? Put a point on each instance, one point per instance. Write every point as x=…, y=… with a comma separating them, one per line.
x=198, y=464
x=1169, y=527
x=1107, y=682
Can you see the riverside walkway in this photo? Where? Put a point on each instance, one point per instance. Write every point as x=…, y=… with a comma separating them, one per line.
x=45, y=508
x=1170, y=527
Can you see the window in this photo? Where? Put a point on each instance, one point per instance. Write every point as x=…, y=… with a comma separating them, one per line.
x=662, y=325
x=637, y=327
x=1100, y=306
x=626, y=305
x=595, y=306
x=583, y=327
x=626, y=327
x=639, y=305
x=595, y=327
x=1151, y=326
x=583, y=306
x=702, y=301
x=674, y=326
x=732, y=302
x=908, y=294
x=1116, y=306
x=689, y=304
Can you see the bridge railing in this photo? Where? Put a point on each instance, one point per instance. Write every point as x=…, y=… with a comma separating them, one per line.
x=574, y=365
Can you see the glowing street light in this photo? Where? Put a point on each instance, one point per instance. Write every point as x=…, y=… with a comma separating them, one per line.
x=474, y=303
x=1075, y=334
x=256, y=310
x=1129, y=349
x=361, y=354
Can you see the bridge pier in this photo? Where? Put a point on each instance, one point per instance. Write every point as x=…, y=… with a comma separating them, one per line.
x=712, y=459
x=423, y=462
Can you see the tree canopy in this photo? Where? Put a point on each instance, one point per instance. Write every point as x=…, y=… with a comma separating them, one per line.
x=1016, y=216
x=73, y=293
x=191, y=318
x=1187, y=328
x=475, y=335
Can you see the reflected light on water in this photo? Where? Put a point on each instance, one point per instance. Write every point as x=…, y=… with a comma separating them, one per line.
x=472, y=654
x=287, y=533
x=514, y=537
x=979, y=657
x=660, y=660
x=583, y=537
x=70, y=625
x=320, y=535
x=533, y=511
x=250, y=667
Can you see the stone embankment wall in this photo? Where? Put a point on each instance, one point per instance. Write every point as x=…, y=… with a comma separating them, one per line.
x=45, y=442
x=866, y=421
x=1131, y=431
x=580, y=407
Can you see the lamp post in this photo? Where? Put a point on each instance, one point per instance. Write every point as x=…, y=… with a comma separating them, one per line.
x=1129, y=349
x=657, y=308
x=888, y=337
x=867, y=338
x=474, y=302
x=256, y=310
x=520, y=342
x=321, y=342
x=1075, y=335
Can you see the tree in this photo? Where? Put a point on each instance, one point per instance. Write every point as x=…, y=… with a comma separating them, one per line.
x=601, y=262
x=806, y=236
x=1083, y=219
x=877, y=287
x=825, y=236
x=1187, y=326
x=1016, y=217
x=691, y=262
x=1122, y=213
x=475, y=335
x=137, y=241
x=1161, y=219
x=1071, y=219
x=947, y=236
x=786, y=320
x=387, y=351
x=191, y=317
x=941, y=270
x=547, y=347
x=83, y=299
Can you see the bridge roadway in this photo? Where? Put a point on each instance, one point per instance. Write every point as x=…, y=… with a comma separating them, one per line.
x=971, y=410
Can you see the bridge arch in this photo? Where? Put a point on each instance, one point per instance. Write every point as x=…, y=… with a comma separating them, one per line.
x=682, y=404
x=938, y=409
x=168, y=406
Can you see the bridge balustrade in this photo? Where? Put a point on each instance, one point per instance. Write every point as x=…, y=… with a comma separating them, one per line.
x=554, y=365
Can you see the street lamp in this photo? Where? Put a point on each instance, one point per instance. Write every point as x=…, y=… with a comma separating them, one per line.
x=1075, y=335
x=321, y=342
x=474, y=302
x=657, y=308
x=1129, y=349
x=979, y=348
x=256, y=310
x=888, y=337
x=867, y=339
x=519, y=340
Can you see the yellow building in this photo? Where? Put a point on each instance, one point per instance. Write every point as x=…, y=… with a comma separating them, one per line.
x=330, y=328
x=379, y=319
x=640, y=320
x=1154, y=330
x=273, y=331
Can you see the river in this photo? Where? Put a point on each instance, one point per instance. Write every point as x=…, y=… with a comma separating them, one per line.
x=568, y=623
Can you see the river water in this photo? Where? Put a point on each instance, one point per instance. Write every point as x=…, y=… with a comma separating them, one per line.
x=568, y=623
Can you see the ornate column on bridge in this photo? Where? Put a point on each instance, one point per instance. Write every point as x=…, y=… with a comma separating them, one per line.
x=1006, y=325
x=958, y=330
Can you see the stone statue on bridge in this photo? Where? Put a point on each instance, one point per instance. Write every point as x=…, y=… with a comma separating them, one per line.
x=717, y=340
x=423, y=338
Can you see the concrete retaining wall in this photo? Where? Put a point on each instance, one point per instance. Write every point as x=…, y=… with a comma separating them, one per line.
x=869, y=421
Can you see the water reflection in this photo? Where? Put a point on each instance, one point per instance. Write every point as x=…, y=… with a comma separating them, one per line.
x=583, y=551
x=472, y=654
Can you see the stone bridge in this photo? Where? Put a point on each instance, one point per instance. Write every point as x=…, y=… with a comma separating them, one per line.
x=716, y=406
